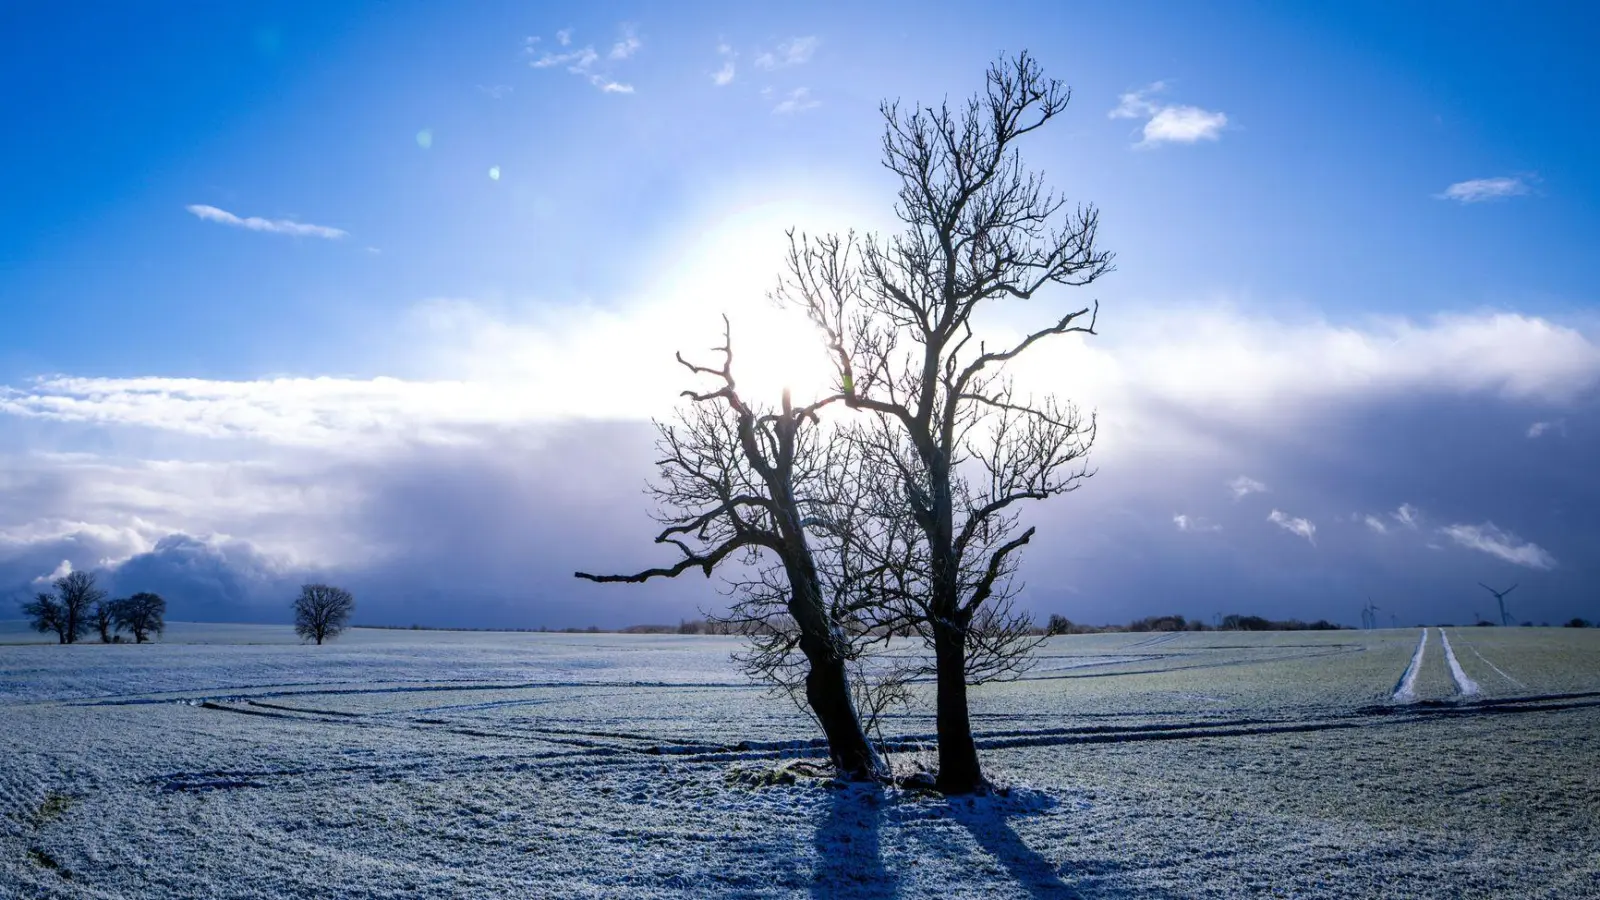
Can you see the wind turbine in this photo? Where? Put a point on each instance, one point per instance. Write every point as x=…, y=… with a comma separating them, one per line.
x=1500, y=597
x=1369, y=614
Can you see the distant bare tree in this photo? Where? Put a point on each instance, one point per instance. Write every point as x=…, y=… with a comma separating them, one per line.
x=322, y=611
x=897, y=316
x=46, y=614
x=104, y=617
x=734, y=482
x=78, y=597
x=143, y=614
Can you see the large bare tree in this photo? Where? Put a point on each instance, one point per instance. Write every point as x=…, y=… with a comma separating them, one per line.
x=897, y=314
x=45, y=613
x=143, y=614
x=322, y=611
x=78, y=596
x=734, y=482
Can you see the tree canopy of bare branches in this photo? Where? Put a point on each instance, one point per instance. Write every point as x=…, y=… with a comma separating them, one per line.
x=46, y=614
x=105, y=619
x=142, y=615
x=735, y=482
x=947, y=425
x=322, y=612
x=76, y=597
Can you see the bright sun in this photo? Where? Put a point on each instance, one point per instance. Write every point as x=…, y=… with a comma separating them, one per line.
x=777, y=349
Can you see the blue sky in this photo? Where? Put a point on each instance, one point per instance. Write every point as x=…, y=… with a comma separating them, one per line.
x=387, y=292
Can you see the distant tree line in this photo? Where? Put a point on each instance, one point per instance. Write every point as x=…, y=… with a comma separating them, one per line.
x=77, y=607
x=1059, y=624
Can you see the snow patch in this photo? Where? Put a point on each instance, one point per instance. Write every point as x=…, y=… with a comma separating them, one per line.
x=1465, y=685
x=1406, y=690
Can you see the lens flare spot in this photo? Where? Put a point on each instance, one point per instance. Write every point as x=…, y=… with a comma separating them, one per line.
x=425, y=138
x=494, y=173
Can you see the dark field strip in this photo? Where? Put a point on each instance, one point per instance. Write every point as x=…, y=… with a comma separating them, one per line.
x=634, y=750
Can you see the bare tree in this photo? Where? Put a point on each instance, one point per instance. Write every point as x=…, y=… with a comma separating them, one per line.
x=143, y=614
x=322, y=611
x=859, y=550
x=733, y=482
x=104, y=615
x=46, y=614
x=897, y=316
x=78, y=597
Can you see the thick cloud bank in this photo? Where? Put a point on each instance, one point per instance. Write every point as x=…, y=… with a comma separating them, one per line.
x=1246, y=464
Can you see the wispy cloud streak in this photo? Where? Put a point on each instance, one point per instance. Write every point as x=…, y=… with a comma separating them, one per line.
x=271, y=226
x=1478, y=190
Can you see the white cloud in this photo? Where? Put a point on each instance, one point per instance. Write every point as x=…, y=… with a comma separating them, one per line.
x=724, y=76
x=1135, y=105
x=1194, y=524
x=1487, y=538
x=495, y=91
x=1376, y=524
x=627, y=45
x=584, y=61
x=793, y=52
x=273, y=226
x=1407, y=515
x=1294, y=525
x=1219, y=362
x=1243, y=486
x=1168, y=123
x=577, y=61
x=491, y=370
x=292, y=411
x=1539, y=429
x=798, y=100
x=121, y=508
x=1478, y=190
x=483, y=370
x=1183, y=125
x=61, y=571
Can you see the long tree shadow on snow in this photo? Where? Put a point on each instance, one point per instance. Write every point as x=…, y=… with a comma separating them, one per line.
x=987, y=822
x=849, y=850
x=849, y=855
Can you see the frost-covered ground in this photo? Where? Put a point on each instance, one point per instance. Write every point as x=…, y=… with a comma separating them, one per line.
x=232, y=761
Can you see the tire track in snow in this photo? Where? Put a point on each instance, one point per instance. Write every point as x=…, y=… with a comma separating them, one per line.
x=1464, y=685
x=1405, y=691
x=1495, y=667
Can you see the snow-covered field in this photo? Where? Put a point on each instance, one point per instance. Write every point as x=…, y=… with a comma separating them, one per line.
x=233, y=761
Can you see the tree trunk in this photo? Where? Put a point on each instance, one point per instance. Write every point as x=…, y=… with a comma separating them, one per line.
x=828, y=693
x=959, y=771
